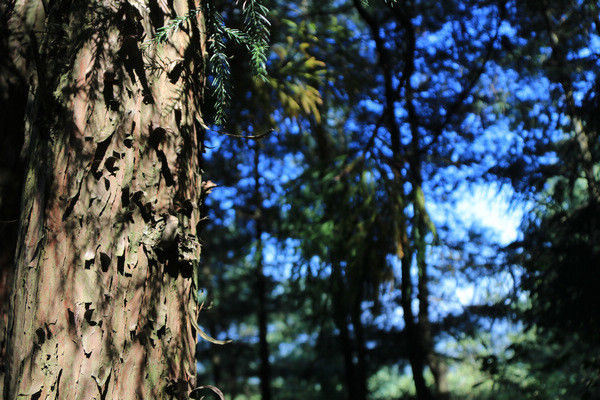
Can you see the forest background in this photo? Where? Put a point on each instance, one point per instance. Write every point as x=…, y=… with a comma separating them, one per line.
x=404, y=205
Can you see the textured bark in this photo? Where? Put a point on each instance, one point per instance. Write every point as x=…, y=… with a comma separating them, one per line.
x=103, y=302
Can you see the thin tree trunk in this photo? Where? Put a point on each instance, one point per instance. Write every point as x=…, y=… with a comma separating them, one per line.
x=215, y=358
x=328, y=385
x=103, y=302
x=435, y=362
x=212, y=319
x=341, y=321
x=261, y=288
x=361, y=352
x=404, y=251
x=416, y=358
x=338, y=285
x=415, y=353
x=439, y=370
x=423, y=327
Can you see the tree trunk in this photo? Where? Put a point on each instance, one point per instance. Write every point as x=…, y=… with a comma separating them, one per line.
x=415, y=353
x=338, y=284
x=436, y=363
x=13, y=95
x=103, y=300
x=361, y=351
x=404, y=252
x=439, y=370
x=341, y=321
x=261, y=288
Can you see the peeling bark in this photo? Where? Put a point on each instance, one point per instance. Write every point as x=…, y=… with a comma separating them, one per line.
x=104, y=299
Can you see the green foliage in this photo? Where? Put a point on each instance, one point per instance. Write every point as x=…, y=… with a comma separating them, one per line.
x=297, y=73
x=254, y=36
x=256, y=25
x=171, y=27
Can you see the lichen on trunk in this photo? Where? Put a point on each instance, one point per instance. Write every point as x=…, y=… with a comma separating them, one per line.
x=103, y=302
